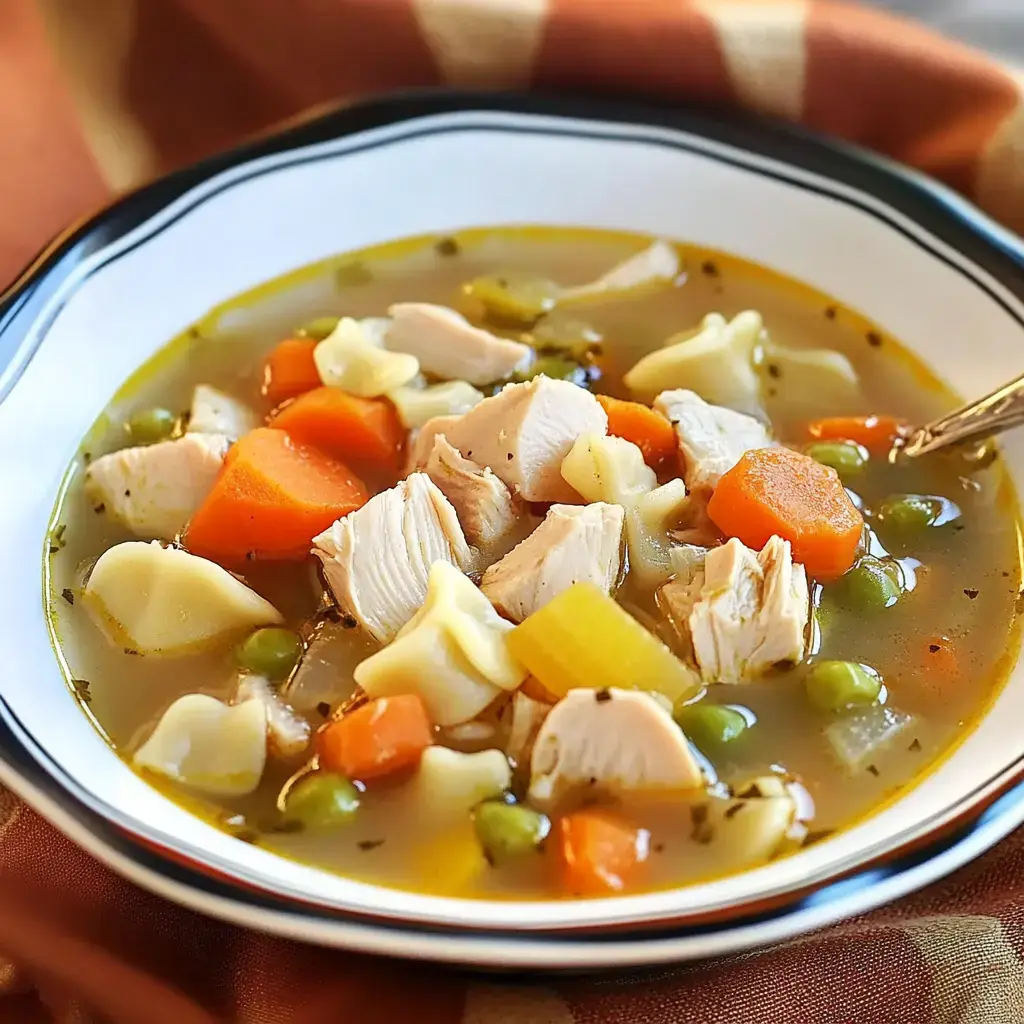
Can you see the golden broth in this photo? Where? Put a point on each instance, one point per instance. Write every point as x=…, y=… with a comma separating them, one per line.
x=967, y=588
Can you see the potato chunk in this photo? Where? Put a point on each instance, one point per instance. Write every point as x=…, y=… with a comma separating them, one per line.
x=159, y=600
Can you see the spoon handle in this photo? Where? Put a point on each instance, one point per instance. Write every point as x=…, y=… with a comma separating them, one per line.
x=996, y=412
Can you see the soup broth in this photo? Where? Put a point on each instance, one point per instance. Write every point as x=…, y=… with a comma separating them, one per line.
x=938, y=637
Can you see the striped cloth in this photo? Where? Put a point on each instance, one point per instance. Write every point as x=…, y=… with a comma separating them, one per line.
x=96, y=97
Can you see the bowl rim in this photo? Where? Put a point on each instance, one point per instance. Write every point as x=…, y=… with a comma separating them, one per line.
x=946, y=216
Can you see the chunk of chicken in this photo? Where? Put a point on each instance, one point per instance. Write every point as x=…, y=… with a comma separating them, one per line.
x=711, y=438
x=287, y=732
x=524, y=433
x=448, y=345
x=751, y=613
x=155, y=489
x=575, y=543
x=377, y=559
x=528, y=716
x=422, y=440
x=492, y=519
x=610, y=742
x=213, y=412
x=677, y=598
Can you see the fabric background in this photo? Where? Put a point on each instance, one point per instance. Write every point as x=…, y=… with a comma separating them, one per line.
x=99, y=95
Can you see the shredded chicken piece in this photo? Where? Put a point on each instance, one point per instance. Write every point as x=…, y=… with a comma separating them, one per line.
x=448, y=345
x=751, y=612
x=524, y=433
x=491, y=517
x=575, y=543
x=377, y=559
x=155, y=489
x=712, y=439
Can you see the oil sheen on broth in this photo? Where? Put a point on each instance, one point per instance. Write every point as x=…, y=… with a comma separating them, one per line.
x=942, y=646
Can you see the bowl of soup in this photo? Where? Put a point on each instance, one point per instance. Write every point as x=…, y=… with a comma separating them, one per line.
x=468, y=529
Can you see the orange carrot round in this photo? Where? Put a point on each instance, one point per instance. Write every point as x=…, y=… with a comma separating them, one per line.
x=344, y=425
x=600, y=851
x=381, y=738
x=647, y=429
x=776, y=491
x=271, y=499
x=290, y=371
x=876, y=433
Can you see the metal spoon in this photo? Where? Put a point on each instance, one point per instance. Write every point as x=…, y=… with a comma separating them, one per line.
x=996, y=412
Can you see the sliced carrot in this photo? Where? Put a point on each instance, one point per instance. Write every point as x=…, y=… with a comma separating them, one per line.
x=290, y=371
x=876, y=433
x=600, y=852
x=647, y=429
x=344, y=425
x=776, y=491
x=387, y=735
x=272, y=498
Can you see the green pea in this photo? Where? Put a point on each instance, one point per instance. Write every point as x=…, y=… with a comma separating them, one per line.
x=557, y=368
x=322, y=800
x=910, y=513
x=151, y=425
x=845, y=457
x=872, y=585
x=517, y=298
x=319, y=328
x=835, y=685
x=710, y=725
x=506, y=831
x=271, y=652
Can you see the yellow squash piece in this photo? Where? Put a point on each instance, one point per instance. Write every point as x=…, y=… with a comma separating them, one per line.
x=159, y=600
x=582, y=638
x=349, y=358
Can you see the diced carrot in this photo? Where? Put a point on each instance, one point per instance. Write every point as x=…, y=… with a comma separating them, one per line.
x=387, y=735
x=290, y=371
x=344, y=425
x=600, y=852
x=776, y=491
x=647, y=429
x=271, y=499
x=938, y=669
x=876, y=433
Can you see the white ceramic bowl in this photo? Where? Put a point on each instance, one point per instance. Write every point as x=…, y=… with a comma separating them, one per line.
x=906, y=253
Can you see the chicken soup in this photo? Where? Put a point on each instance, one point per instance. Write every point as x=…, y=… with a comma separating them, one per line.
x=531, y=563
